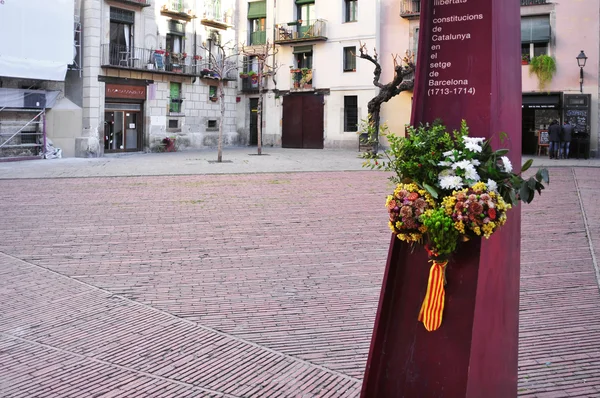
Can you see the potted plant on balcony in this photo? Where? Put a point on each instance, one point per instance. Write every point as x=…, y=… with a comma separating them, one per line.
x=253, y=77
x=524, y=59
x=243, y=75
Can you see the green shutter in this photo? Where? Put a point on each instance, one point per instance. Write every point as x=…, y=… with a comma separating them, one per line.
x=299, y=2
x=535, y=29
x=302, y=49
x=257, y=9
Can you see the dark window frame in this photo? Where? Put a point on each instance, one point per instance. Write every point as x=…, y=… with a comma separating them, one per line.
x=350, y=11
x=350, y=113
x=349, y=63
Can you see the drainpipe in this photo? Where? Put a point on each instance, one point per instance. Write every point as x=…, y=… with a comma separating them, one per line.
x=44, y=132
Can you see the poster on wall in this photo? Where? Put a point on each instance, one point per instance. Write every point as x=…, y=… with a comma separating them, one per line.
x=37, y=38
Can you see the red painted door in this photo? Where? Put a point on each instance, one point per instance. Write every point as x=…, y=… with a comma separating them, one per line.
x=302, y=122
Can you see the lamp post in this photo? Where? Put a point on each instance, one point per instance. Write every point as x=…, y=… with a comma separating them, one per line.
x=581, y=58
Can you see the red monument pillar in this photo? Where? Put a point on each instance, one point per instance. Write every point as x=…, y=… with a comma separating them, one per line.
x=468, y=67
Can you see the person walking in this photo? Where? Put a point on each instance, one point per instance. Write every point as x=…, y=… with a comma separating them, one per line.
x=565, y=139
x=554, y=131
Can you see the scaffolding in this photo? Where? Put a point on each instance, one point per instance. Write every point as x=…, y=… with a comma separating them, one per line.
x=77, y=64
x=22, y=134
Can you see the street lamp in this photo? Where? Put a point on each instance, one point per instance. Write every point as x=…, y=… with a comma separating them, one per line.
x=581, y=58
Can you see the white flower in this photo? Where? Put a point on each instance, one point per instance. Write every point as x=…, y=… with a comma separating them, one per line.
x=447, y=153
x=475, y=140
x=445, y=164
x=473, y=146
x=506, y=163
x=451, y=182
x=471, y=174
x=491, y=185
x=475, y=162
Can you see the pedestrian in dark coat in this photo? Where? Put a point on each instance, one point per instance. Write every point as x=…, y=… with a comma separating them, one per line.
x=554, y=139
x=565, y=139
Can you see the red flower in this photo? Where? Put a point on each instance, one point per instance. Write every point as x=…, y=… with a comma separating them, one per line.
x=413, y=196
x=492, y=214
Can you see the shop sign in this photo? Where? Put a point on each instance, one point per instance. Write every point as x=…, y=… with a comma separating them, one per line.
x=125, y=91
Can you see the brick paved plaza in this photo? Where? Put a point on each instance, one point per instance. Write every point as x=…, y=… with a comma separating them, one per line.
x=256, y=285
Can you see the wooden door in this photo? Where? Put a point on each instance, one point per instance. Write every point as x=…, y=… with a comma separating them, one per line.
x=312, y=121
x=291, y=136
x=302, y=122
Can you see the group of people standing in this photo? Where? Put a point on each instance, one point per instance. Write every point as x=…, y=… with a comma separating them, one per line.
x=560, y=139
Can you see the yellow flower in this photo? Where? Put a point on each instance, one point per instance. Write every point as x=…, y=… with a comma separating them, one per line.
x=399, y=225
x=488, y=229
x=422, y=192
x=477, y=231
x=415, y=237
x=479, y=186
x=423, y=229
x=459, y=226
x=391, y=225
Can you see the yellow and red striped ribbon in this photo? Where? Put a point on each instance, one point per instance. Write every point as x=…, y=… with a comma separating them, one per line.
x=433, y=305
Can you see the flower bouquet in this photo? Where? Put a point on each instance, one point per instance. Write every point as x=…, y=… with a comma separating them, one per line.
x=450, y=188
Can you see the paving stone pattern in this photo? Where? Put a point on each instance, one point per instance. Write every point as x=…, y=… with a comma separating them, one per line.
x=261, y=285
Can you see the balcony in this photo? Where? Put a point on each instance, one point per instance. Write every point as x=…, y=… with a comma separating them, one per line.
x=534, y=2
x=258, y=38
x=301, y=31
x=249, y=85
x=214, y=17
x=139, y=3
x=156, y=61
x=301, y=79
x=176, y=9
x=410, y=9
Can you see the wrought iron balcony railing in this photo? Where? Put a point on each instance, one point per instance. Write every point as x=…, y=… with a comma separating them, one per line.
x=301, y=79
x=299, y=31
x=410, y=9
x=534, y=2
x=214, y=16
x=258, y=38
x=146, y=59
x=139, y=3
x=177, y=9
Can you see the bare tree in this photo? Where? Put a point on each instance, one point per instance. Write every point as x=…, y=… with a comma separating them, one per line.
x=267, y=67
x=403, y=71
x=220, y=64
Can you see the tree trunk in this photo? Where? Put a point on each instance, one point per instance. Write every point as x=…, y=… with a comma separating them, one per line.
x=374, y=108
x=259, y=107
x=222, y=103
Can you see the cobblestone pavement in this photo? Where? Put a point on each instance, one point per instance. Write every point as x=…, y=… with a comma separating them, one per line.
x=256, y=285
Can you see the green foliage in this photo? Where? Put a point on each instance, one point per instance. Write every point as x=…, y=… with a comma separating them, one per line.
x=441, y=234
x=430, y=152
x=544, y=67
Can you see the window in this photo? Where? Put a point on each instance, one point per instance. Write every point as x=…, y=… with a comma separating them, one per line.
x=303, y=56
x=350, y=113
x=257, y=15
x=212, y=93
x=306, y=16
x=535, y=36
x=175, y=99
x=121, y=36
x=351, y=10
x=349, y=59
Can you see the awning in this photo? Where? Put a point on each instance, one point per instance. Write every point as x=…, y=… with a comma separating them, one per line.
x=541, y=101
x=535, y=29
x=257, y=9
x=302, y=49
x=304, y=1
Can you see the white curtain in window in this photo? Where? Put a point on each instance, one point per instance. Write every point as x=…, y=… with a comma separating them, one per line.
x=127, y=34
x=177, y=44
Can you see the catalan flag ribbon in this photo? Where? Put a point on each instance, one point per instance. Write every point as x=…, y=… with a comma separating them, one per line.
x=433, y=305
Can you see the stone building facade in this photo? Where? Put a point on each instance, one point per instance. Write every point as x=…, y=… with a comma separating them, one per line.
x=149, y=71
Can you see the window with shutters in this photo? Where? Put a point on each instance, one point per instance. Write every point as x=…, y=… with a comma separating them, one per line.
x=350, y=10
x=257, y=16
x=175, y=99
x=535, y=36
